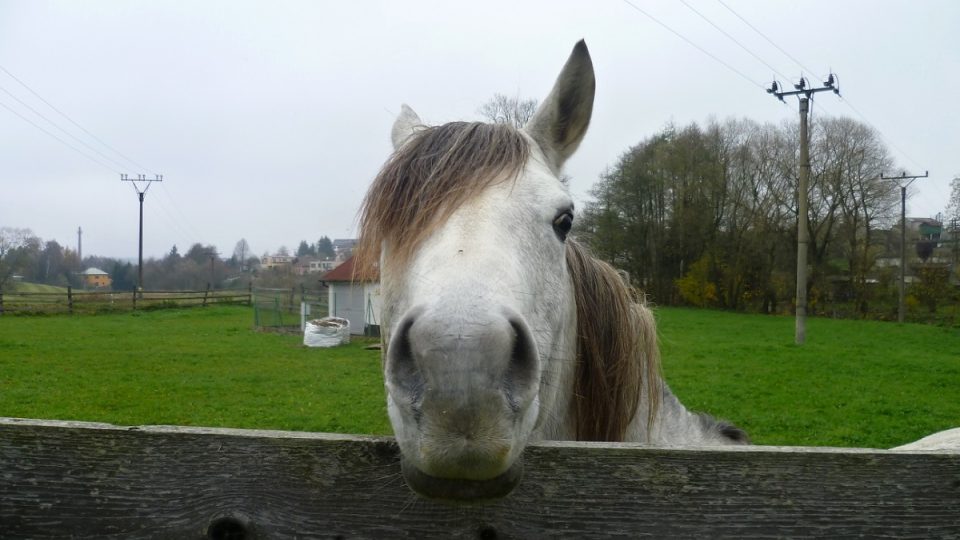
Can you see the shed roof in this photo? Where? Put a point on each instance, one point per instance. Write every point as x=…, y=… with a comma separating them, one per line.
x=93, y=271
x=344, y=272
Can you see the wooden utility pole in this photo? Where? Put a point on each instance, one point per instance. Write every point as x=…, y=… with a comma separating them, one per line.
x=803, y=233
x=901, y=304
x=140, y=194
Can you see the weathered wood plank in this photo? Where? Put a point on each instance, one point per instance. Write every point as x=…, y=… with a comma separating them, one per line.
x=99, y=481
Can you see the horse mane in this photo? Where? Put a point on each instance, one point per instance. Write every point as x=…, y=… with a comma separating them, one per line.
x=617, y=355
x=427, y=179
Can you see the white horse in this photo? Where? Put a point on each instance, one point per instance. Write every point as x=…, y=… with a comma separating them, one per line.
x=498, y=328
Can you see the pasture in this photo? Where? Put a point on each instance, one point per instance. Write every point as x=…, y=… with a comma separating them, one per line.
x=855, y=383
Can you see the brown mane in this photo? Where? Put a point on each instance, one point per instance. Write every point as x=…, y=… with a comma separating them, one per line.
x=442, y=167
x=617, y=355
x=428, y=178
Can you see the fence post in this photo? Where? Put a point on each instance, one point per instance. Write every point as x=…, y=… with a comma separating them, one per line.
x=1, y=301
x=69, y=299
x=250, y=293
x=205, y=293
x=134, y=296
x=293, y=291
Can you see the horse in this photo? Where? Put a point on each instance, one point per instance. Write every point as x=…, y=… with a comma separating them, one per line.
x=498, y=327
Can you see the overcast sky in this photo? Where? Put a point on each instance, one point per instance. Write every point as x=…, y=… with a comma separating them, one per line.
x=269, y=119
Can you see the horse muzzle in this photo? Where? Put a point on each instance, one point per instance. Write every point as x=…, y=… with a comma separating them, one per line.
x=462, y=401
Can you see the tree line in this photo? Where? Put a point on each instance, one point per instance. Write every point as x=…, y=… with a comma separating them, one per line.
x=707, y=215
x=31, y=259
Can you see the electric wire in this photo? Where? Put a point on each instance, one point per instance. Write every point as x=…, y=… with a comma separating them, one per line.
x=65, y=132
x=168, y=217
x=63, y=142
x=694, y=45
x=764, y=36
x=843, y=99
x=74, y=122
x=733, y=39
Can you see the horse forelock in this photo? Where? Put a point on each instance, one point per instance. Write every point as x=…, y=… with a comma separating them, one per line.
x=435, y=172
x=618, y=360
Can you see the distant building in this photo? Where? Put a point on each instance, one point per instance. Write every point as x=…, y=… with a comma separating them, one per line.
x=925, y=229
x=321, y=266
x=311, y=265
x=274, y=261
x=95, y=277
x=343, y=248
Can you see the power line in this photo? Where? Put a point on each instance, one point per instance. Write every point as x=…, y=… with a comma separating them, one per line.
x=71, y=120
x=764, y=36
x=63, y=142
x=843, y=99
x=868, y=122
x=692, y=44
x=65, y=132
x=733, y=39
x=168, y=216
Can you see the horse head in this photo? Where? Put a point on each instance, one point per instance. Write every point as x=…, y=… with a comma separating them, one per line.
x=469, y=224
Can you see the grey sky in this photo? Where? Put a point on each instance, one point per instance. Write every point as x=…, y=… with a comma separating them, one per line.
x=268, y=120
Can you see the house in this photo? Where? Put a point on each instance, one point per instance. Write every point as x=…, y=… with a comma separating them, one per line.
x=310, y=265
x=321, y=266
x=95, y=277
x=275, y=261
x=925, y=229
x=343, y=248
x=355, y=298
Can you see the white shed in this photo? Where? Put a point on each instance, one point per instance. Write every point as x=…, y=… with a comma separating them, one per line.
x=355, y=298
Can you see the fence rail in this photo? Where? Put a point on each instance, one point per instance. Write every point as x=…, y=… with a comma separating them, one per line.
x=85, y=480
x=72, y=301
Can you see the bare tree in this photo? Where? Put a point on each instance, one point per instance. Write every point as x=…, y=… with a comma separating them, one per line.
x=240, y=252
x=16, y=246
x=953, y=205
x=501, y=109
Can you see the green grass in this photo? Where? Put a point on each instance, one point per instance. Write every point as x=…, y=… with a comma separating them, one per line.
x=200, y=366
x=853, y=384
x=27, y=287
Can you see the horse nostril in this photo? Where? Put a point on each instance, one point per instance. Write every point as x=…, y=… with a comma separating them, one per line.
x=402, y=372
x=522, y=370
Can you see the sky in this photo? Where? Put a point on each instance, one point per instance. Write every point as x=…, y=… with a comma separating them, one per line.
x=268, y=120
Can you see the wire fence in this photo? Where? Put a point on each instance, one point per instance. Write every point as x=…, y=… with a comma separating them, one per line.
x=71, y=301
x=286, y=309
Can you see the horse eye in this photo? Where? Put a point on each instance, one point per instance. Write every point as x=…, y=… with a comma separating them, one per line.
x=562, y=224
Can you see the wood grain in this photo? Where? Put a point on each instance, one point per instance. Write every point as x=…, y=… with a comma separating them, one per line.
x=83, y=480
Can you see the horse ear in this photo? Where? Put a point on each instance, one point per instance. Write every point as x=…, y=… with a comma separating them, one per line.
x=561, y=121
x=404, y=126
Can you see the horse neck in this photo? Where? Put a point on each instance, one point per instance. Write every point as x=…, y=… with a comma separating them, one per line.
x=675, y=425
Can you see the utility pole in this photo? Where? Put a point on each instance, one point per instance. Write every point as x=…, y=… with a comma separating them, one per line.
x=803, y=234
x=80, y=245
x=901, y=305
x=140, y=194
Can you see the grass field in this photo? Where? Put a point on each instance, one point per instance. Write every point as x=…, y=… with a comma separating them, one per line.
x=199, y=366
x=26, y=287
x=853, y=384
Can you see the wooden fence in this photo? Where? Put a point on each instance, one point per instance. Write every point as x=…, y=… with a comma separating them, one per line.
x=72, y=301
x=83, y=480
